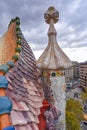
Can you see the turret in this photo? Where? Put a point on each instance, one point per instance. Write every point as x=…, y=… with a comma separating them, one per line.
x=52, y=63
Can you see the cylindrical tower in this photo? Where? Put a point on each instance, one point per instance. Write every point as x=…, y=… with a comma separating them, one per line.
x=52, y=63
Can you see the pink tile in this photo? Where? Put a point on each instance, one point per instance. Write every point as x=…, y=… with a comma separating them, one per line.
x=20, y=106
x=10, y=87
x=20, y=127
x=32, y=92
x=17, y=118
x=35, y=126
x=31, y=116
x=29, y=127
x=35, y=111
x=35, y=98
x=15, y=107
x=36, y=119
x=31, y=83
x=31, y=88
x=24, y=106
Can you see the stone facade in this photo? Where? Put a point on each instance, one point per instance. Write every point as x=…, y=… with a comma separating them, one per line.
x=57, y=87
x=54, y=91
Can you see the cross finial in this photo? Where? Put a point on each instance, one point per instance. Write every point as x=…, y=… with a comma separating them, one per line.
x=51, y=13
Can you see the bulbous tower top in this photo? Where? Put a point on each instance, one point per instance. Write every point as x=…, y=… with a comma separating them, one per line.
x=51, y=13
x=53, y=58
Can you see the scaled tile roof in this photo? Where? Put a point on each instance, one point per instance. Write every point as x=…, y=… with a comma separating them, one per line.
x=23, y=89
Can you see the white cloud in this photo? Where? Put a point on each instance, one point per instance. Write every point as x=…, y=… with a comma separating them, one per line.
x=74, y=54
x=74, y=6
x=77, y=54
x=71, y=28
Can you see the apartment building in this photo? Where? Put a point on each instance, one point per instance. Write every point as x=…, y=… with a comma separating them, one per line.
x=76, y=67
x=69, y=74
x=83, y=74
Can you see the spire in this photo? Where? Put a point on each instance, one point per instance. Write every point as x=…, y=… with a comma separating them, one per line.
x=51, y=16
x=53, y=57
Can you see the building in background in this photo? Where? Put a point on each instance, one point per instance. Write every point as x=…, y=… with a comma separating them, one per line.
x=69, y=74
x=76, y=70
x=72, y=73
x=83, y=74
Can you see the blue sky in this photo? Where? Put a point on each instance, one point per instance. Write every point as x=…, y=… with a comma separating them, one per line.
x=71, y=28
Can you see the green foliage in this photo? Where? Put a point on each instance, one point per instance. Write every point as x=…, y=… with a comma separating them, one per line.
x=71, y=122
x=84, y=96
x=74, y=114
x=85, y=89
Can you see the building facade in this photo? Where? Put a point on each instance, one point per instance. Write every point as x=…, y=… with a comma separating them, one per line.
x=83, y=74
x=76, y=70
x=68, y=74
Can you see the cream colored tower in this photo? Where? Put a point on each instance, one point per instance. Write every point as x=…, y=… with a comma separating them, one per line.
x=52, y=63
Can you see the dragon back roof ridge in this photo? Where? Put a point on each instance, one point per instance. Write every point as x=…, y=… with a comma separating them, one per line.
x=20, y=71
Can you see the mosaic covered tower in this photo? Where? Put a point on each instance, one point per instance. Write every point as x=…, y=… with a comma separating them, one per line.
x=51, y=64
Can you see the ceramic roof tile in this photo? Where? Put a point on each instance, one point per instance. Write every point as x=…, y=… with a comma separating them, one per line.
x=34, y=126
x=33, y=93
x=27, y=127
x=23, y=127
x=10, y=87
x=15, y=106
x=34, y=110
x=26, y=116
x=36, y=119
x=31, y=116
x=24, y=91
x=18, y=118
x=25, y=108
x=22, y=106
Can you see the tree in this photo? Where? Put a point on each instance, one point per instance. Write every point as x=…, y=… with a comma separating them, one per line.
x=84, y=95
x=71, y=122
x=74, y=114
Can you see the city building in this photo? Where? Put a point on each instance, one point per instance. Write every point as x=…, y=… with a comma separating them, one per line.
x=69, y=74
x=76, y=70
x=72, y=73
x=83, y=74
